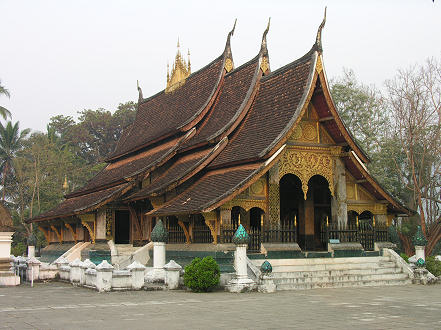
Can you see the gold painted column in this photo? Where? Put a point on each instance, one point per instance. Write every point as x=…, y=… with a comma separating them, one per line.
x=274, y=196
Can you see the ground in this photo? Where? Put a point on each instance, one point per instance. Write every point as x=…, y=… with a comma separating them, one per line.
x=61, y=306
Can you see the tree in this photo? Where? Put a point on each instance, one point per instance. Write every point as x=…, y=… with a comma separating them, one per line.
x=11, y=141
x=414, y=101
x=97, y=131
x=3, y=111
x=361, y=108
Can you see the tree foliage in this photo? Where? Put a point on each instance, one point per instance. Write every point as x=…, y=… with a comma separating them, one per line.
x=401, y=131
x=34, y=167
x=3, y=111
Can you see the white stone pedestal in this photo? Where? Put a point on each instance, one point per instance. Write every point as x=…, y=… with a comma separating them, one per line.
x=137, y=272
x=266, y=284
x=7, y=276
x=241, y=282
x=172, y=274
x=33, y=270
x=31, y=251
x=104, y=276
x=158, y=272
x=420, y=252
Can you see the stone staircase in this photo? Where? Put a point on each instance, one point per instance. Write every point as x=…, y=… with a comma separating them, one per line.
x=298, y=274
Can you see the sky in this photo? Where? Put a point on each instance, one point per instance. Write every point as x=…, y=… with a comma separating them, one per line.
x=60, y=57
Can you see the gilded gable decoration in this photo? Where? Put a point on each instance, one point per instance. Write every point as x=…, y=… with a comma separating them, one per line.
x=307, y=163
x=228, y=64
x=179, y=72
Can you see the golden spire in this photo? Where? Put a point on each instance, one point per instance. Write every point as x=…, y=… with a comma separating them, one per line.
x=188, y=64
x=179, y=72
x=65, y=184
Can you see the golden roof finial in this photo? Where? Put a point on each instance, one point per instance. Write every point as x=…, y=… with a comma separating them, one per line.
x=189, y=65
x=179, y=72
x=65, y=184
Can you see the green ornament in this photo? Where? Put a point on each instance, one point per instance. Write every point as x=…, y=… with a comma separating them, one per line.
x=266, y=268
x=159, y=233
x=241, y=236
x=420, y=262
x=419, y=239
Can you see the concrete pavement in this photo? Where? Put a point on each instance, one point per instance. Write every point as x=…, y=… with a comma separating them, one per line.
x=60, y=306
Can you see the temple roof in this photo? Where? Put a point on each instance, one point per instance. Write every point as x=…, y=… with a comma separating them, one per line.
x=84, y=203
x=276, y=106
x=218, y=132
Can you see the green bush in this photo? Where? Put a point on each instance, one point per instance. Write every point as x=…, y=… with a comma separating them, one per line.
x=202, y=275
x=404, y=256
x=18, y=249
x=433, y=266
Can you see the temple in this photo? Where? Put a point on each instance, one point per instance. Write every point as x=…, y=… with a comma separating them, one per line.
x=229, y=145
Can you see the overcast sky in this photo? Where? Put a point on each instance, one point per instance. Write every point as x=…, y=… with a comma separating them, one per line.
x=59, y=57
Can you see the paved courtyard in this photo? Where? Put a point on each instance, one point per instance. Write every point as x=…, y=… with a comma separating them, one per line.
x=61, y=306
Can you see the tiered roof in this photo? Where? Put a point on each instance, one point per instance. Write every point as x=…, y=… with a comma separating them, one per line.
x=217, y=133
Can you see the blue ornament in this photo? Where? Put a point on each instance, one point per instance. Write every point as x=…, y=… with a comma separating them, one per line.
x=420, y=262
x=241, y=236
x=266, y=267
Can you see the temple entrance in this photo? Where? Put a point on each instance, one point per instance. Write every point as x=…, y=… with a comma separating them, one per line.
x=306, y=216
x=122, y=227
x=292, y=213
x=319, y=202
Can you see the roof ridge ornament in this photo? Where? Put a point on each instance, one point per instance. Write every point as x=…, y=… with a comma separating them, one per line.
x=229, y=65
x=264, y=58
x=179, y=72
x=318, y=39
x=140, y=97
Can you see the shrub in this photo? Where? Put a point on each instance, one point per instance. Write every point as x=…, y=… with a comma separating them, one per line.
x=404, y=256
x=18, y=249
x=202, y=275
x=433, y=265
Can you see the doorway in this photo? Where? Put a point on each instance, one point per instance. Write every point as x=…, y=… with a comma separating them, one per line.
x=122, y=227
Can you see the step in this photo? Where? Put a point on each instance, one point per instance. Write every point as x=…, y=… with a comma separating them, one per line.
x=321, y=261
x=306, y=286
x=332, y=267
x=341, y=278
x=338, y=272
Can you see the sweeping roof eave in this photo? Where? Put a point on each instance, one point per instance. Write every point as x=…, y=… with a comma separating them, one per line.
x=179, y=172
x=82, y=204
x=216, y=188
x=395, y=206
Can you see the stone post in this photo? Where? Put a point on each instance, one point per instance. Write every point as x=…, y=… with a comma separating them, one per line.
x=241, y=282
x=75, y=271
x=60, y=262
x=85, y=265
x=172, y=273
x=104, y=276
x=33, y=270
x=32, y=241
x=420, y=242
x=63, y=268
x=137, y=272
x=266, y=280
x=159, y=237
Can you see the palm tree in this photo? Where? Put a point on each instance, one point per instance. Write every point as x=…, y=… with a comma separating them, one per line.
x=3, y=111
x=11, y=141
